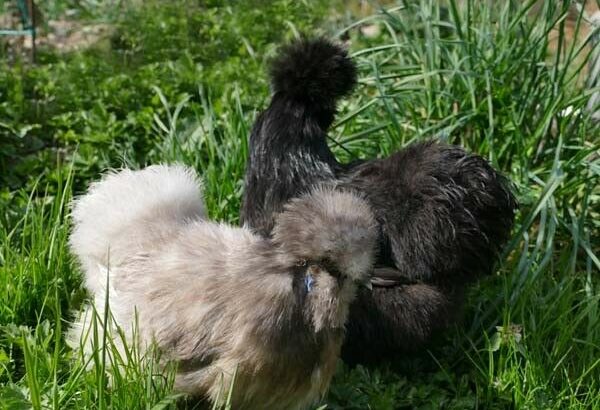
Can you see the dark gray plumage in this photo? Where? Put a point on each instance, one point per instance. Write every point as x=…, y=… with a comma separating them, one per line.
x=443, y=214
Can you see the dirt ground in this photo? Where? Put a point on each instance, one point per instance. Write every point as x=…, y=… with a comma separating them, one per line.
x=64, y=34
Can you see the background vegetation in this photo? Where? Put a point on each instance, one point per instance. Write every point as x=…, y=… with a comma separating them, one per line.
x=182, y=81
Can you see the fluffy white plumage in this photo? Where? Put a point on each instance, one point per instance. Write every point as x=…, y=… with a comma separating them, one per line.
x=216, y=298
x=130, y=210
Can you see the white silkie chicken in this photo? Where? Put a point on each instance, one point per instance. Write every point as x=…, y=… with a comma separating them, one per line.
x=217, y=299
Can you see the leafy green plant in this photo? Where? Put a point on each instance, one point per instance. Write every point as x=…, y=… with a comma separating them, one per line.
x=184, y=84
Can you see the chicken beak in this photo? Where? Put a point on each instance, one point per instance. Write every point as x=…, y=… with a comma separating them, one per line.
x=365, y=283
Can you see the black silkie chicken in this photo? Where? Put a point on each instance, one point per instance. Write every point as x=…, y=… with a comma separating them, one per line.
x=443, y=214
x=220, y=300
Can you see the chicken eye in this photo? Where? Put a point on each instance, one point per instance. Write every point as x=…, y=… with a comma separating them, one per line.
x=331, y=268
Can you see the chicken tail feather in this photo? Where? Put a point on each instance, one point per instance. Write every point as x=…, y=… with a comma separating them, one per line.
x=129, y=211
x=313, y=72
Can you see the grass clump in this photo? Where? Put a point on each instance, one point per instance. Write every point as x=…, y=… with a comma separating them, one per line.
x=483, y=75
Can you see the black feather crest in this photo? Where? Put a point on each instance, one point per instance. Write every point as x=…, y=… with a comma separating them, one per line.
x=315, y=71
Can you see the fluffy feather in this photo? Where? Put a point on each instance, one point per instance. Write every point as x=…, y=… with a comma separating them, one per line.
x=443, y=213
x=218, y=299
x=129, y=211
x=313, y=72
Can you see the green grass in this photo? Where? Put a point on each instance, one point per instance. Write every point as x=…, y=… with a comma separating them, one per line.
x=475, y=74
